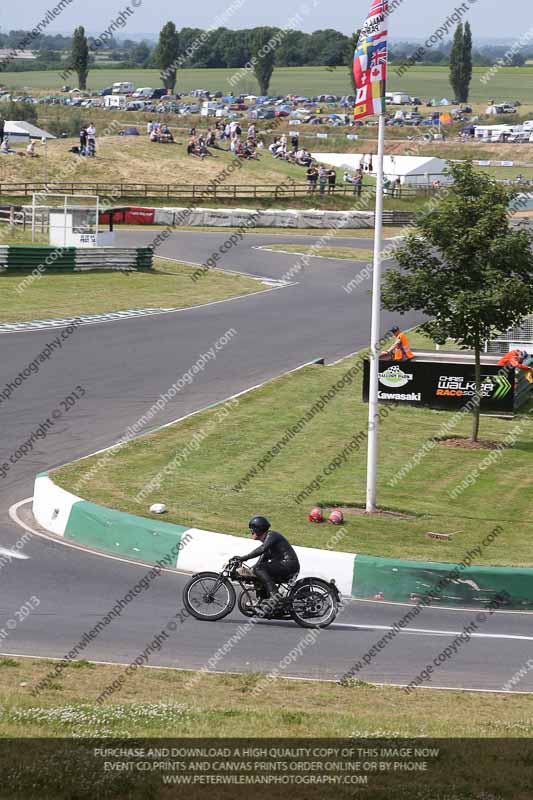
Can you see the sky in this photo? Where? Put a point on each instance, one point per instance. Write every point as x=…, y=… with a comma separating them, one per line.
x=412, y=19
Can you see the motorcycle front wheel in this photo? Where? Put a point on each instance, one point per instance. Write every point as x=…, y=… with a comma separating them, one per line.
x=207, y=596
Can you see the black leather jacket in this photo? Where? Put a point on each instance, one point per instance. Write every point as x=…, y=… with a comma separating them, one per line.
x=274, y=548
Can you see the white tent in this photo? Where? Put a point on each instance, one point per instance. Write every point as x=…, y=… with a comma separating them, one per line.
x=410, y=169
x=25, y=130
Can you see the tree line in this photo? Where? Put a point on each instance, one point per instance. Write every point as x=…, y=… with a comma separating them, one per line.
x=226, y=48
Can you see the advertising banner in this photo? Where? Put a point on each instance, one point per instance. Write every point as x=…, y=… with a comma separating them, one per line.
x=441, y=385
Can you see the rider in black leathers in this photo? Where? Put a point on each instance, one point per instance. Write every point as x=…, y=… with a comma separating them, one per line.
x=278, y=561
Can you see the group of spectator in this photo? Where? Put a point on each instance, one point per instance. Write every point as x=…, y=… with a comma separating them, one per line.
x=88, y=141
x=159, y=133
x=294, y=154
x=230, y=132
x=6, y=150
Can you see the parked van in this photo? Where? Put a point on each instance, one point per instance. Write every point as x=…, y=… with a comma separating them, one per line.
x=144, y=93
x=123, y=87
x=399, y=99
x=209, y=109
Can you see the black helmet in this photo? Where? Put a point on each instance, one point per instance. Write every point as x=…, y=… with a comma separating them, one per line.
x=259, y=524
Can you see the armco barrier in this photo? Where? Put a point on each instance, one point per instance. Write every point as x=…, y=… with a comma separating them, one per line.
x=74, y=259
x=362, y=577
x=405, y=581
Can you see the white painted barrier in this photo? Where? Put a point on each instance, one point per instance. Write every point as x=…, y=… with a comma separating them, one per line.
x=52, y=505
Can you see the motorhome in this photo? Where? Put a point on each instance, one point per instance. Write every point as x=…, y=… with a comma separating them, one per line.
x=115, y=101
x=123, y=87
x=209, y=109
x=495, y=133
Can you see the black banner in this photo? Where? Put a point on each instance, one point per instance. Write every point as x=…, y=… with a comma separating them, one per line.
x=441, y=385
x=306, y=769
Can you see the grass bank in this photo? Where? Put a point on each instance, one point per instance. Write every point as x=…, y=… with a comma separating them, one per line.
x=351, y=253
x=169, y=285
x=66, y=725
x=222, y=483
x=225, y=706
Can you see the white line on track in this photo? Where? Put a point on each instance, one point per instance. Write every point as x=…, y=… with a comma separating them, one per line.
x=431, y=631
x=280, y=677
x=278, y=284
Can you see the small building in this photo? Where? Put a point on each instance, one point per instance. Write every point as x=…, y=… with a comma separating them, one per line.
x=412, y=170
x=23, y=131
x=8, y=55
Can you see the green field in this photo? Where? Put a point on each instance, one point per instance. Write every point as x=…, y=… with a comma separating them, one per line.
x=216, y=488
x=425, y=82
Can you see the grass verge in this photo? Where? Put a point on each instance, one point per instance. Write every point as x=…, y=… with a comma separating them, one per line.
x=221, y=483
x=168, y=286
x=351, y=253
x=226, y=705
x=66, y=725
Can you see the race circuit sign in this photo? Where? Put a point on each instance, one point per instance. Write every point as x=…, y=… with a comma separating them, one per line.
x=440, y=385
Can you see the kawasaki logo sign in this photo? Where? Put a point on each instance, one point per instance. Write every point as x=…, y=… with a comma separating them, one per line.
x=438, y=384
x=395, y=377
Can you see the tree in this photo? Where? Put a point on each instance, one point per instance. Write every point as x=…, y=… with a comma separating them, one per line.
x=349, y=57
x=517, y=60
x=263, y=49
x=79, y=56
x=140, y=54
x=466, y=268
x=166, y=55
x=466, y=64
x=455, y=60
x=461, y=62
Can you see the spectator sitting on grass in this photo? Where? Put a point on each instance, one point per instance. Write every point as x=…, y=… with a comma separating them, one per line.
x=166, y=135
x=30, y=150
x=4, y=147
x=303, y=158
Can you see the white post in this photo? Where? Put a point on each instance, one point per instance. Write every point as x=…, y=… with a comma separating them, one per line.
x=65, y=222
x=373, y=419
x=33, y=217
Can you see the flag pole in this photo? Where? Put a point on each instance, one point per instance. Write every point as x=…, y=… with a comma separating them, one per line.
x=373, y=419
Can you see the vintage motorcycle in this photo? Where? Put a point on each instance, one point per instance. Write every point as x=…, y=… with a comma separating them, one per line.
x=310, y=602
